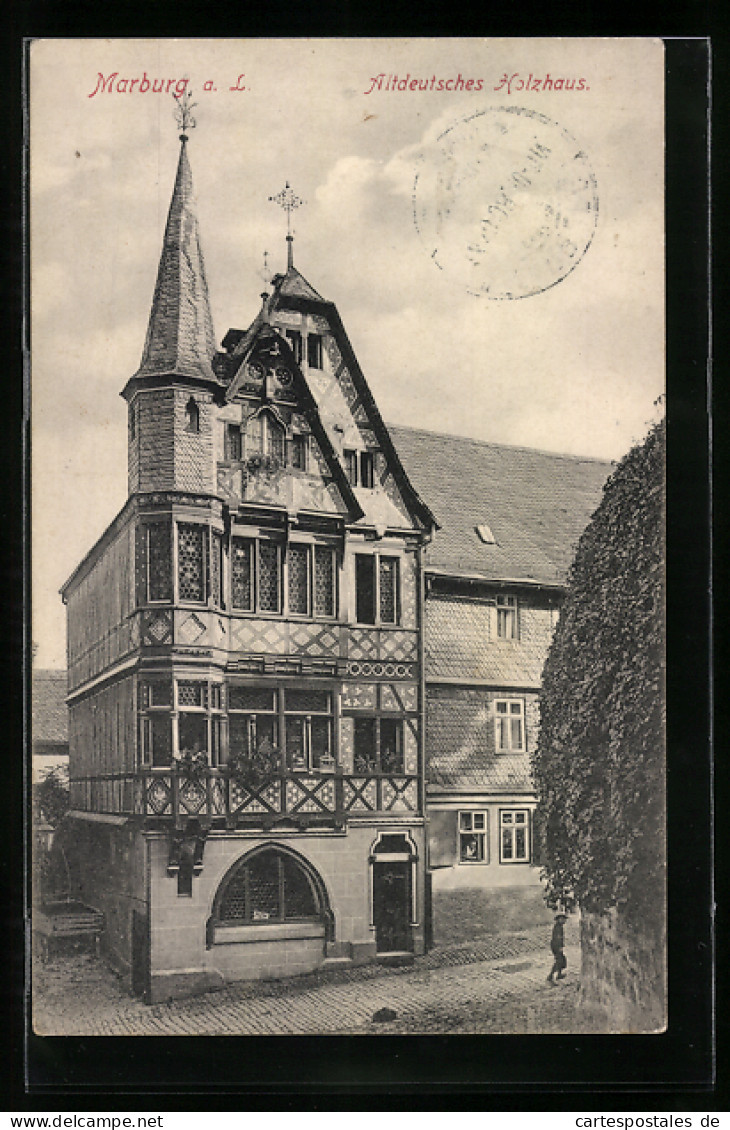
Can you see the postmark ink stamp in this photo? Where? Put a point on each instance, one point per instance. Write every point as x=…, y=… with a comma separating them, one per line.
x=505, y=202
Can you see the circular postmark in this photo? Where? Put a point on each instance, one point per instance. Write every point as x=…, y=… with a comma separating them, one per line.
x=505, y=202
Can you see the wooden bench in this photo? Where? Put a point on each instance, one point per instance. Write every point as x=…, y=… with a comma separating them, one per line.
x=58, y=920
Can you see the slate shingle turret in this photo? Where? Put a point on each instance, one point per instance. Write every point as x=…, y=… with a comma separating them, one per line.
x=180, y=338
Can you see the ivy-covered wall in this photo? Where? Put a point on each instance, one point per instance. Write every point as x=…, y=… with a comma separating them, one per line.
x=599, y=768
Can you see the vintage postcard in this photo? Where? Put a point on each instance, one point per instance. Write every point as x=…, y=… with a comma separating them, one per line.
x=347, y=381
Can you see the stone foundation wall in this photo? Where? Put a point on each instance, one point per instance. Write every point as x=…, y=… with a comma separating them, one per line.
x=623, y=976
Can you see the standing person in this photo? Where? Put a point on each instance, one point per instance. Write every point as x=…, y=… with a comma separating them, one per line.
x=557, y=943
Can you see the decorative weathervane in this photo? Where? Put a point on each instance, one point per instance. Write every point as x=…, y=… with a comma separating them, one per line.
x=184, y=112
x=288, y=200
x=265, y=274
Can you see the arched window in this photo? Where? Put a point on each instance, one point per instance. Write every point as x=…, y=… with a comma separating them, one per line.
x=270, y=886
x=192, y=416
x=265, y=436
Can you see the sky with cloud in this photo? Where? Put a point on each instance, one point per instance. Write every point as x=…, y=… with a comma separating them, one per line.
x=577, y=368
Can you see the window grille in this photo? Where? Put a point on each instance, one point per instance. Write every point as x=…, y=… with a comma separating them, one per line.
x=269, y=595
x=192, y=694
x=242, y=590
x=191, y=561
x=270, y=887
x=388, y=590
x=324, y=581
x=159, y=561
x=298, y=562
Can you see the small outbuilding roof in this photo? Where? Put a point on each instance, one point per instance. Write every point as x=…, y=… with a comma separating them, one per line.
x=50, y=713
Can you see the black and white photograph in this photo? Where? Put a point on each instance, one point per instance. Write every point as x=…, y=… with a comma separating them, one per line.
x=348, y=537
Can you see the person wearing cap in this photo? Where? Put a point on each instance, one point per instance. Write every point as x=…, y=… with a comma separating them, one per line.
x=557, y=943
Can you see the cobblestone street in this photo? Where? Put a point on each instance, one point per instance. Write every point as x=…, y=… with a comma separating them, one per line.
x=498, y=986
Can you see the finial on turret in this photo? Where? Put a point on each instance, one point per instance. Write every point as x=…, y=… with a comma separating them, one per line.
x=184, y=112
x=287, y=200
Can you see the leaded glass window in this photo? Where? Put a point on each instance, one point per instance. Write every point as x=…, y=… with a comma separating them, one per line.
x=191, y=693
x=215, y=569
x=378, y=745
x=269, y=581
x=389, y=590
x=324, y=581
x=274, y=438
x=298, y=584
x=268, y=887
x=191, y=561
x=241, y=573
x=159, y=561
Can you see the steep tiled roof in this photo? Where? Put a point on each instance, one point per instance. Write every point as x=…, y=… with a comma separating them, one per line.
x=180, y=336
x=536, y=504
x=50, y=713
x=294, y=285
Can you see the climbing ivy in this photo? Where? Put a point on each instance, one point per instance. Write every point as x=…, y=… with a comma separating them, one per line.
x=599, y=764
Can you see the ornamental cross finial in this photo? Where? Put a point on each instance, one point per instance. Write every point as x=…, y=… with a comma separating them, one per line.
x=288, y=200
x=184, y=112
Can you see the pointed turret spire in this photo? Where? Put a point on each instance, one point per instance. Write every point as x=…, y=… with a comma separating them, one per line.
x=180, y=338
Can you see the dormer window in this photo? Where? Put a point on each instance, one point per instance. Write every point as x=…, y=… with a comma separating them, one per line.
x=350, y=460
x=367, y=469
x=314, y=351
x=485, y=534
x=192, y=416
x=295, y=341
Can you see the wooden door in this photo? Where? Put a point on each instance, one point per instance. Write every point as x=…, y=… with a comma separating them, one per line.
x=392, y=906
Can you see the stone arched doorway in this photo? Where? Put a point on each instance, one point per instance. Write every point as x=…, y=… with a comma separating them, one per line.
x=393, y=883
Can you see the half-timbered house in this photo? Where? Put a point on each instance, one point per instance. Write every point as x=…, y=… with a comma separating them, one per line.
x=304, y=658
x=245, y=653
